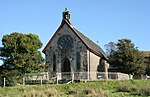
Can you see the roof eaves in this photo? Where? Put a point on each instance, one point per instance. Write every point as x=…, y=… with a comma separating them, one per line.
x=51, y=39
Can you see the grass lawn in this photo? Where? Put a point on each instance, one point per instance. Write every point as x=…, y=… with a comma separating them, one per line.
x=101, y=88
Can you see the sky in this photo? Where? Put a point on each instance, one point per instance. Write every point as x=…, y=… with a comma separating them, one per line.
x=100, y=20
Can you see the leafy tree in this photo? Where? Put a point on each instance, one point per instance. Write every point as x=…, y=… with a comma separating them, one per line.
x=110, y=47
x=126, y=58
x=20, y=54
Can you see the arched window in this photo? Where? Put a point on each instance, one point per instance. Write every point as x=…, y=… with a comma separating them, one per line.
x=78, y=61
x=66, y=66
x=54, y=62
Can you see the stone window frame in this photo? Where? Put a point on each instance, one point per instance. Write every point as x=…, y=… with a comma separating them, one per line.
x=78, y=61
x=54, y=62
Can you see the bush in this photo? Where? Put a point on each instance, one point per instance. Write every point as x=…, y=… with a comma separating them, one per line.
x=144, y=91
x=126, y=88
x=92, y=93
x=51, y=92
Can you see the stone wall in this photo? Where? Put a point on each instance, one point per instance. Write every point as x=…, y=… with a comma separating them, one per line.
x=123, y=76
x=93, y=65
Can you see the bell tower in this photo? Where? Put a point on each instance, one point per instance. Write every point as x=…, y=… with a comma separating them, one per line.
x=66, y=15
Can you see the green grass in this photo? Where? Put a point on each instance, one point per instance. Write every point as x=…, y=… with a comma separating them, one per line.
x=102, y=88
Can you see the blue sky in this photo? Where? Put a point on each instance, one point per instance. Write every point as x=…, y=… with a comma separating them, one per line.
x=100, y=20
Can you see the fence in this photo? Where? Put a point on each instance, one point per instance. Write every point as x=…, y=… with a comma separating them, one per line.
x=36, y=78
x=27, y=79
x=91, y=75
x=43, y=78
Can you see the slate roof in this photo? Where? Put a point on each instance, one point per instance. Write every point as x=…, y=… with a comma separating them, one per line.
x=91, y=44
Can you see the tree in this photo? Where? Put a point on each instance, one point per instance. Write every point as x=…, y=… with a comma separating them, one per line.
x=20, y=54
x=110, y=47
x=126, y=58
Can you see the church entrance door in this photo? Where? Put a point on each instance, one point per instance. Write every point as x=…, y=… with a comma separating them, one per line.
x=66, y=69
x=66, y=66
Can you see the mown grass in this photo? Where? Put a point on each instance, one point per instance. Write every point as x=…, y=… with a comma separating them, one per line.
x=102, y=88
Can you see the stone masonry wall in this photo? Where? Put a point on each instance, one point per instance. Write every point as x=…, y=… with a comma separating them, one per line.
x=78, y=46
x=93, y=65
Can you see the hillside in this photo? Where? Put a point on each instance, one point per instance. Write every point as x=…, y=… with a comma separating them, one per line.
x=102, y=88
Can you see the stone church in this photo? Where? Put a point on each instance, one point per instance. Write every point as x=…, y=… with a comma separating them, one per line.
x=70, y=52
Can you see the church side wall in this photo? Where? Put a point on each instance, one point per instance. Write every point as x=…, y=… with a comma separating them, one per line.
x=93, y=65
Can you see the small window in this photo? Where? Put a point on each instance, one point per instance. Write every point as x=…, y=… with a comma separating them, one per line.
x=78, y=60
x=54, y=62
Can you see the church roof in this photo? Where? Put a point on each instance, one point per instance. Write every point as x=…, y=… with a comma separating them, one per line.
x=91, y=46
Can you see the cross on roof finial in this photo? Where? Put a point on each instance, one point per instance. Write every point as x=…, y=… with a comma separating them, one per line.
x=66, y=9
